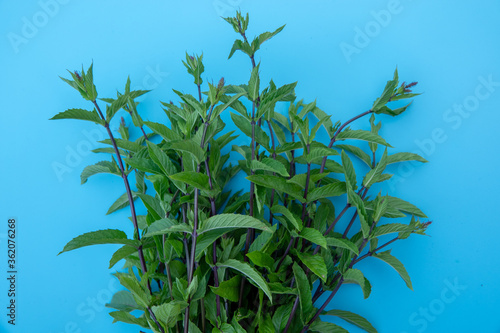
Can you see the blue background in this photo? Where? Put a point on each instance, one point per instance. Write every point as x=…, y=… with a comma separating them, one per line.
x=341, y=53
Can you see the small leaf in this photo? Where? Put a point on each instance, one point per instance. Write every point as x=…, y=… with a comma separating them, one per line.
x=197, y=180
x=124, y=301
x=253, y=84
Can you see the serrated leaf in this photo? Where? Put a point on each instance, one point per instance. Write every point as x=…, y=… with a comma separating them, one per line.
x=168, y=313
x=166, y=226
x=396, y=264
x=326, y=327
x=250, y=273
x=268, y=164
x=189, y=147
x=304, y=289
x=354, y=275
x=254, y=84
x=327, y=191
x=124, y=301
x=128, y=318
x=342, y=243
x=362, y=135
x=99, y=167
x=314, y=236
x=232, y=221
x=373, y=175
x=80, y=114
x=352, y=318
x=279, y=184
x=197, y=180
x=356, y=151
x=390, y=228
x=403, y=157
x=261, y=259
x=350, y=174
x=404, y=206
x=295, y=221
x=229, y=289
x=108, y=236
x=315, y=263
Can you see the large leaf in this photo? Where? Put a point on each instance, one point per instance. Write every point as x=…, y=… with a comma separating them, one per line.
x=128, y=318
x=120, y=203
x=352, y=318
x=279, y=184
x=315, y=263
x=166, y=226
x=326, y=327
x=314, y=236
x=250, y=273
x=108, y=236
x=362, y=135
x=80, y=114
x=229, y=289
x=327, y=191
x=404, y=206
x=124, y=301
x=358, y=152
x=99, y=167
x=306, y=306
x=403, y=157
x=166, y=133
x=390, y=228
x=268, y=164
x=354, y=275
x=232, y=221
x=396, y=264
x=280, y=317
x=342, y=243
x=189, y=147
x=168, y=313
x=161, y=159
x=295, y=221
x=197, y=180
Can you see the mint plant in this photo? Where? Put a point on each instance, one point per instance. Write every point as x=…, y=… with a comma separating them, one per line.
x=207, y=259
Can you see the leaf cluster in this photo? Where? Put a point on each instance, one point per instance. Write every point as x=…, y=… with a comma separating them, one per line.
x=207, y=259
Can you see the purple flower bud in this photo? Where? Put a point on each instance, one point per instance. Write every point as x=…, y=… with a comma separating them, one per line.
x=221, y=84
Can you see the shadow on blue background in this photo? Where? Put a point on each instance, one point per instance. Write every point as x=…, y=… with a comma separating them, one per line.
x=341, y=53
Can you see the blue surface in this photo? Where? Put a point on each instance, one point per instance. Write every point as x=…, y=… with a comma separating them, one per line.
x=341, y=53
